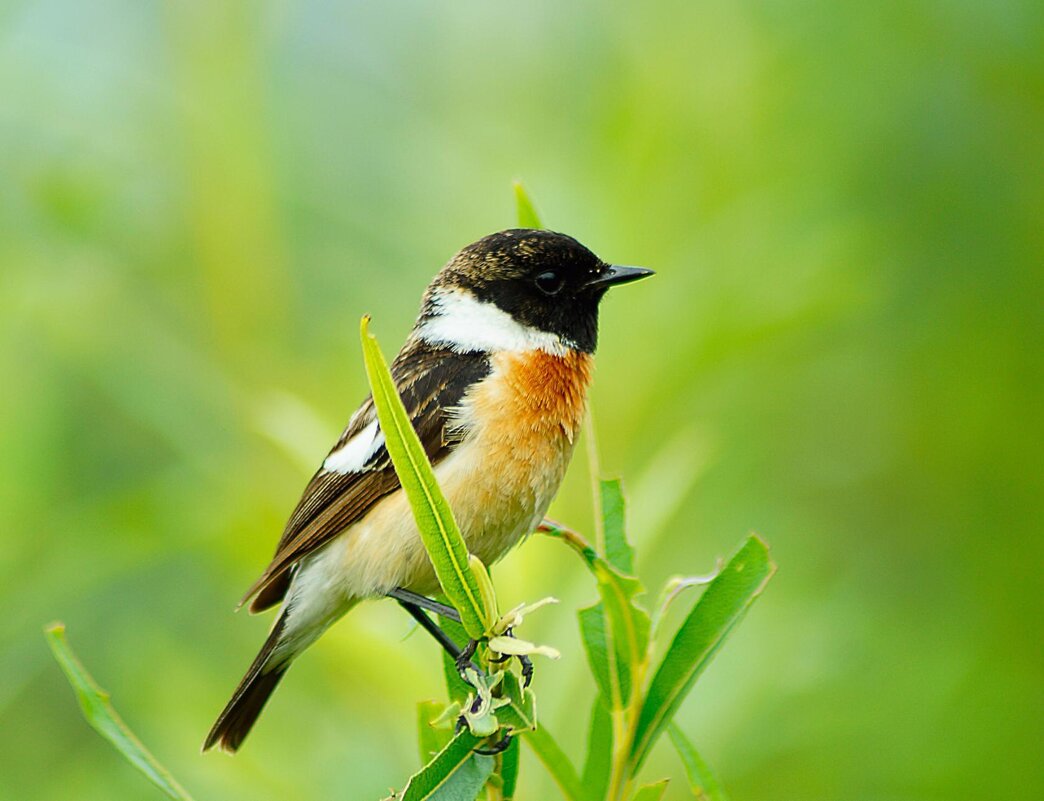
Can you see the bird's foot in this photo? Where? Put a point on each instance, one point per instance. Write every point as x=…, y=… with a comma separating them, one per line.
x=524, y=661
x=463, y=659
x=498, y=747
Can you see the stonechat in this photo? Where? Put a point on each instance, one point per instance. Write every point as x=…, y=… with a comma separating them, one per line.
x=494, y=375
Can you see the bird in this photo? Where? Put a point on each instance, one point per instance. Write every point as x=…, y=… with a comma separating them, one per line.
x=494, y=376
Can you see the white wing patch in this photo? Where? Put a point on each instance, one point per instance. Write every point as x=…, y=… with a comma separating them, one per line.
x=465, y=324
x=356, y=452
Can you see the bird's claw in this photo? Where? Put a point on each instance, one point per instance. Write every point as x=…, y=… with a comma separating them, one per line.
x=524, y=661
x=527, y=670
x=463, y=660
x=498, y=747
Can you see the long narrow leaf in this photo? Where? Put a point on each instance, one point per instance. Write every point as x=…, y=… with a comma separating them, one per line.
x=456, y=773
x=616, y=630
x=556, y=762
x=601, y=657
x=509, y=769
x=712, y=619
x=628, y=623
x=527, y=215
x=652, y=792
x=701, y=780
x=99, y=712
x=430, y=739
x=439, y=532
x=618, y=551
x=598, y=764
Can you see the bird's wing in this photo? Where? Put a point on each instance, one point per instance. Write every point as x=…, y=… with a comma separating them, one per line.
x=431, y=382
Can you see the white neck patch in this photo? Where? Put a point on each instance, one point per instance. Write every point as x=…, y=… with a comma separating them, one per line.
x=465, y=324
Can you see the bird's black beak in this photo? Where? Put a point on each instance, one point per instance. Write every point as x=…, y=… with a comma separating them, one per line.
x=614, y=275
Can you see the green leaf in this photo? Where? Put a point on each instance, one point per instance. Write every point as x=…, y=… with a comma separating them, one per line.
x=710, y=622
x=456, y=773
x=557, y=763
x=651, y=792
x=519, y=714
x=480, y=710
x=598, y=764
x=618, y=551
x=94, y=702
x=509, y=769
x=616, y=630
x=627, y=625
x=701, y=780
x=527, y=215
x=602, y=661
x=431, y=739
x=438, y=529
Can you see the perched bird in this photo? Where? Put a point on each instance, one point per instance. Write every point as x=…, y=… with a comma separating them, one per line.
x=494, y=376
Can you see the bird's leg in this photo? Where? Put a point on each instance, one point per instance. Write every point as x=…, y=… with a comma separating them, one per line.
x=414, y=603
x=404, y=596
x=430, y=626
x=464, y=658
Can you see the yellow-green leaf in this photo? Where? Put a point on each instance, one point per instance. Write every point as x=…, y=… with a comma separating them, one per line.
x=712, y=619
x=99, y=712
x=651, y=792
x=598, y=763
x=701, y=780
x=455, y=774
x=431, y=738
x=527, y=215
x=438, y=529
x=557, y=763
x=618, y=551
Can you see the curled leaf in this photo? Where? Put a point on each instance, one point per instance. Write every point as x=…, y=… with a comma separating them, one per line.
x=513, y=618
x=517, y=647
x=479, y=711
x=485, y=585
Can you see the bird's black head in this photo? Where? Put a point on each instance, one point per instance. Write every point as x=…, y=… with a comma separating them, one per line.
x=544, y=281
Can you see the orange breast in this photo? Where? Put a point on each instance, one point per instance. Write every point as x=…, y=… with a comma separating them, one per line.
x=544, y=395
x=525, y=418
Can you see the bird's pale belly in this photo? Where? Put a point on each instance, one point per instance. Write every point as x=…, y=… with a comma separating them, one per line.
x=523, y=423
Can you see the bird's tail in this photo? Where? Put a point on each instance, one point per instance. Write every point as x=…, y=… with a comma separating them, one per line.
x=240, y=713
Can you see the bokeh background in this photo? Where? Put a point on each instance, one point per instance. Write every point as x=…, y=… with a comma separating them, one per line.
x=841, y=351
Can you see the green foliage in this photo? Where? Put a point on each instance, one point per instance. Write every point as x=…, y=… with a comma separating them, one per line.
x=651, y=792
x=720, y=608
x=439, y=531
x=456, y=773
x=509, y=763
x=638, y=713
x=598, y=763
x=524, y=208
x=431, y=737
x=618, y=551
x=99, y=712
x=701, y=780
x=492, y=702
x=558, y=765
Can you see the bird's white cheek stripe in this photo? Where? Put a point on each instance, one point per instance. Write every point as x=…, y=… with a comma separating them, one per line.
x=466, y=324
x=356, y=452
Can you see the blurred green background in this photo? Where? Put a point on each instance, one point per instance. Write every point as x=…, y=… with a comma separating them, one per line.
x=841, y=350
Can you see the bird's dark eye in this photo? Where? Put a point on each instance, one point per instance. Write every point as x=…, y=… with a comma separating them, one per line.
x=550, y=283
